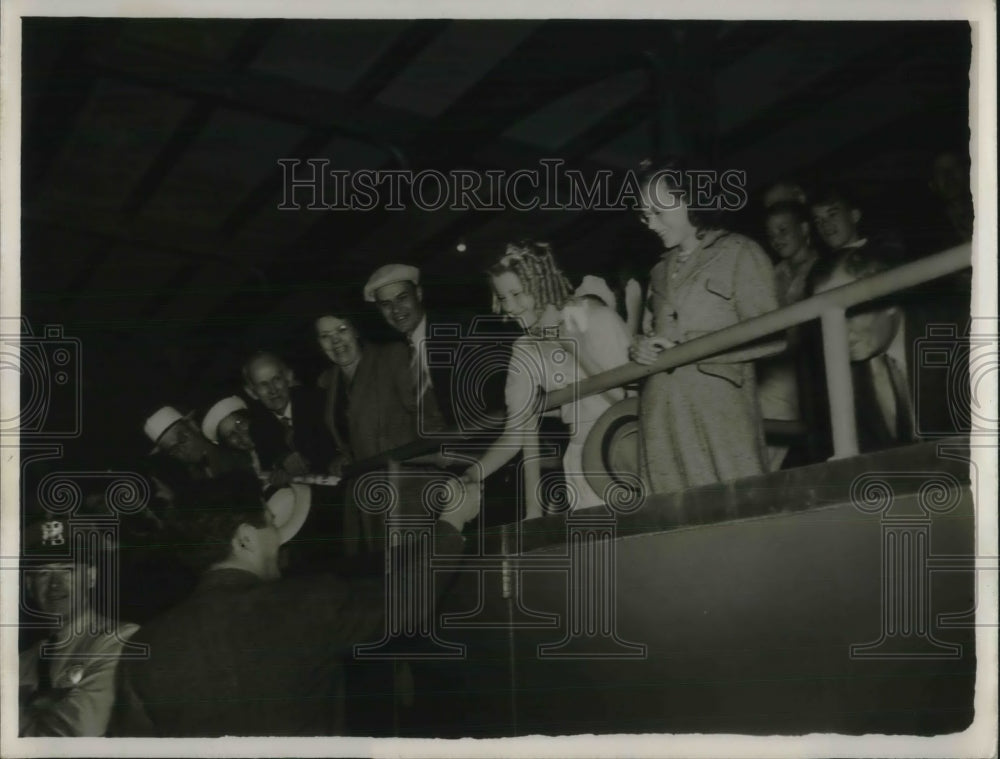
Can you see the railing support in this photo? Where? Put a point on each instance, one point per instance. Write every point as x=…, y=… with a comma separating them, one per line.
x=840, y=387
x=870, y=288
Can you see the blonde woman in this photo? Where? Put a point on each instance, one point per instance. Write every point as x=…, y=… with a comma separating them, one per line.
x=566, y=339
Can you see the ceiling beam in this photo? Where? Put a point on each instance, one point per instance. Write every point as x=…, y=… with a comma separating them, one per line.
x=254, y=92
x=112, y=234
x=51, y=112
x=900, y=46
x=410, y=43
x=407, y=46
x=196, y=119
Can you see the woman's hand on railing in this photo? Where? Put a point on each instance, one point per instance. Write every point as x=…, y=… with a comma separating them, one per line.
x=464, y=503
x=471, y=477
x=646, y=350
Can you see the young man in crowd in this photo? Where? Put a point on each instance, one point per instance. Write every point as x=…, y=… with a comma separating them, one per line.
x=838, y=221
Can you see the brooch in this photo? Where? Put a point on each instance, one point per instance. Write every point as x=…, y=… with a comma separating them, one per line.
x=74, y=674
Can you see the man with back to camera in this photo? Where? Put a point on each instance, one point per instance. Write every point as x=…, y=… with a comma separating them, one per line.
x=67, y=680
x=249, y=653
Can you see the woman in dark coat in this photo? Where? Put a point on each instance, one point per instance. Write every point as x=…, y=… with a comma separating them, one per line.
x=371, y=402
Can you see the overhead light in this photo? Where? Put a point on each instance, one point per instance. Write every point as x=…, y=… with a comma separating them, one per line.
x=460, y=246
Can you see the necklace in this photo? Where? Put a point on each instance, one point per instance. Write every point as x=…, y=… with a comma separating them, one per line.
x=678, y=262
x=548, y=324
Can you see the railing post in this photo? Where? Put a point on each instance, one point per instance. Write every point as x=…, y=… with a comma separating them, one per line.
x=840, y=387
x=532, y=503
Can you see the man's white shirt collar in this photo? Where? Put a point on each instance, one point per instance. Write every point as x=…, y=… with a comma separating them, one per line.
x=287, y=413
x=419, y=333
x=897, y=348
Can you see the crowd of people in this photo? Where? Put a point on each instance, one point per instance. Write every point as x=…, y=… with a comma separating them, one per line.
x=259, y=486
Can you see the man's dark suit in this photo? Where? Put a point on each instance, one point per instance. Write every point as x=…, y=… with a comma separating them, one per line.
x=467, y=359
x=940, y=392
x=310, y=437
x=940, y=405
x=244, y=656
x=179, y=476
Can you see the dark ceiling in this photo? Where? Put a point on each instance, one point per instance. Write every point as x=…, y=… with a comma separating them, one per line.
x=150, y=193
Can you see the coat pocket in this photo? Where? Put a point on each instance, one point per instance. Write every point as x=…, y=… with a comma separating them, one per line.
x=721, y=287
x=730, y=372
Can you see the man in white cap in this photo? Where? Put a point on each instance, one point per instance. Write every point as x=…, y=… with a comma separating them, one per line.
x=67, y=681
x=249, y=653
x=227, y=423
x=396, y=290
x=193, y=457
x=474, y=351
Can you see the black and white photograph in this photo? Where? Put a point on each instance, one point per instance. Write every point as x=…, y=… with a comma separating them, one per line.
x=382, y=379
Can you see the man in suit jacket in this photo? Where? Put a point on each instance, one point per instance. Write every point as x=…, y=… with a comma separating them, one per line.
x=459, y=366
x=248, y=653
x=899, y=396
x=286, y=421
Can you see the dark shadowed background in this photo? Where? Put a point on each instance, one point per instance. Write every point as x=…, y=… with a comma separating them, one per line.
x=150, y=184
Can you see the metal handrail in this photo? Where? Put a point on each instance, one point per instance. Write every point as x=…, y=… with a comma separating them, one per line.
x=829, y=306
x=878, y=285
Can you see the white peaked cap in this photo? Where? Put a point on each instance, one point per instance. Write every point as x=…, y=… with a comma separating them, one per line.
x=386, y=275
x=218, y=412
x=161, y=421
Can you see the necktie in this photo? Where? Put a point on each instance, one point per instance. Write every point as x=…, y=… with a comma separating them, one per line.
x=885, y=393
x=289, y=433
x=44, y=665
x=901, y=391
x=418, y=369
x=873, y=434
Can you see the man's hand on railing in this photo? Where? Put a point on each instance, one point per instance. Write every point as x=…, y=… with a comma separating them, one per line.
x=279, y=478
x=339, y=463
x=295, y=464
x=646, y=350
